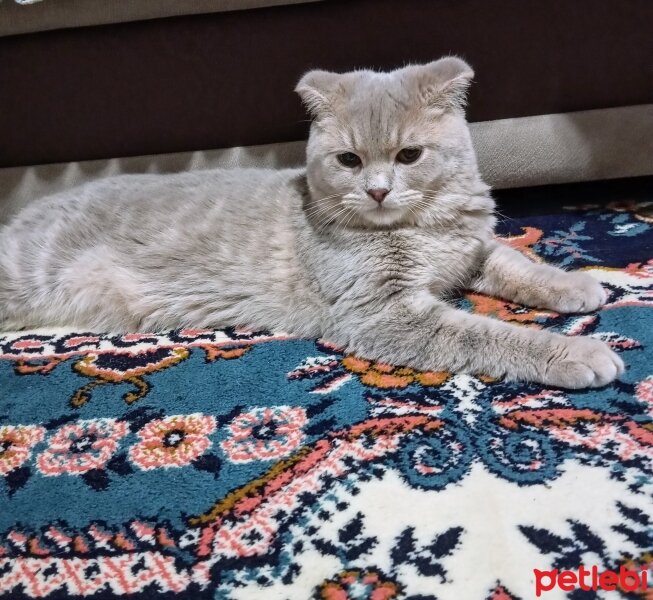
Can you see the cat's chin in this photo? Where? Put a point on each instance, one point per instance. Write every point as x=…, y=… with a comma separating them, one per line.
x=383, y=216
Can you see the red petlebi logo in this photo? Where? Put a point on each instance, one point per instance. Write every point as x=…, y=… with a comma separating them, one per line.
x=627, y=580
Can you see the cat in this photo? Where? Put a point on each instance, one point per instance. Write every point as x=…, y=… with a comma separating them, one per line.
x=362, y=247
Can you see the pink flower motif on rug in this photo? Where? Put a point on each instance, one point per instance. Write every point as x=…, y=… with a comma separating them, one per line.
x=16, y=443
x=81, y=447
x=644, y=393
x=265, y=433
x=172, y=442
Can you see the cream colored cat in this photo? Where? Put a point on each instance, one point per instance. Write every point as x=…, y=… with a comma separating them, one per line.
x=362, y=247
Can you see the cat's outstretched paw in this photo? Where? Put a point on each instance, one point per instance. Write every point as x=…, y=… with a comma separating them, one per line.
x=583, y=362
x=575, y=293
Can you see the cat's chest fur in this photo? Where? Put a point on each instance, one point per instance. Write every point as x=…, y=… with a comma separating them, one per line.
x=381, y=265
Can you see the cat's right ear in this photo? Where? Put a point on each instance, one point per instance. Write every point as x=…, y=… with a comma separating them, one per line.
x=443, y=83
x=317, y=90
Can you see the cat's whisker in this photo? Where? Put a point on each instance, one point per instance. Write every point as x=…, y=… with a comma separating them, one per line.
x=330, y=218
x=317, y=210
x=336, y=217
x=503, y=218
x=327, y=219
x=329, y=196
x=319, y=202
x=346, y=224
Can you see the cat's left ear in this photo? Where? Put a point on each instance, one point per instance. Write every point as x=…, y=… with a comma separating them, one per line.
x=443, y=83
x=318, y=89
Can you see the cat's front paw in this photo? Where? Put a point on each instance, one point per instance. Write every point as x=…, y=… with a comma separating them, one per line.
x=582, y=362
x=576, y=293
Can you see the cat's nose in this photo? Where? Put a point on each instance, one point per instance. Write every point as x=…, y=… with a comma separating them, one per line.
x=378, y=194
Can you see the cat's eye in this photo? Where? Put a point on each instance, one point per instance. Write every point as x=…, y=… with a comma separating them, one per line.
x=349, y=160
x=409, y=155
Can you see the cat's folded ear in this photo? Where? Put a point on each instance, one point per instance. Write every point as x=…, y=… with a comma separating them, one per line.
x=317, y=90
x=443, y=83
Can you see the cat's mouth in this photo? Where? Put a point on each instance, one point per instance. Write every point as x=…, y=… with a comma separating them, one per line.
x=383, y=214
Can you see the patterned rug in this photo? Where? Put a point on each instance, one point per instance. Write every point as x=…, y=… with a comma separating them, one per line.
x=247, y=464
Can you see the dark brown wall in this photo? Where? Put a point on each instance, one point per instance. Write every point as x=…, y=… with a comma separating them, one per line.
x=226, y=79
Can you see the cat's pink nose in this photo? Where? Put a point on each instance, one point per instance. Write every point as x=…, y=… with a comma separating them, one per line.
x=378, y=194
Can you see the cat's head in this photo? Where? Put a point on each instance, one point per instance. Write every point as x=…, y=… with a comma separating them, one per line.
x=384, y=146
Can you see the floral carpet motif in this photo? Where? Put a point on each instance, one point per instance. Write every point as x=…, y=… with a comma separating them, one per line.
x=240, y=464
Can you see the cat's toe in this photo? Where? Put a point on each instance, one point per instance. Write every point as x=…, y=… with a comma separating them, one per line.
x=584, y=362
x=580, y=294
